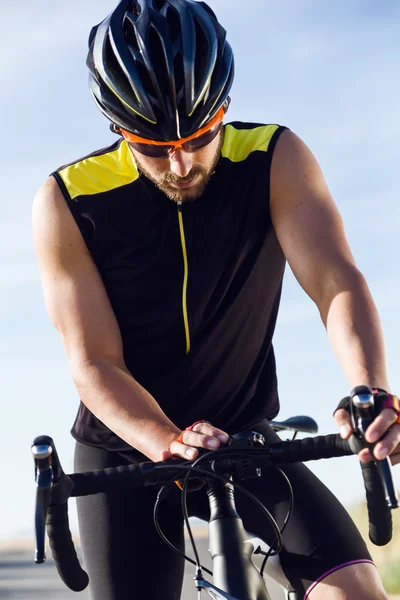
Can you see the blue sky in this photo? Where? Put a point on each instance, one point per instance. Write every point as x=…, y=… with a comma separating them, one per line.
x=326, y=70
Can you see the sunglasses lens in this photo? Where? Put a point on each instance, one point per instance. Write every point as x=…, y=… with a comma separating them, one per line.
x=151, y=150
x=155, y=151
x=202, y=140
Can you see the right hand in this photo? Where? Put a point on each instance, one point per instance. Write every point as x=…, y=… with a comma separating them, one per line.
x=203, y=435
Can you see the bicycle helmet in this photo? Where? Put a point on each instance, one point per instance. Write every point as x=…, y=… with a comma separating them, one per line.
x=160, y=68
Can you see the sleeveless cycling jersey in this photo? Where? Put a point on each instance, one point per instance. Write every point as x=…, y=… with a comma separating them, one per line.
x=195, y=289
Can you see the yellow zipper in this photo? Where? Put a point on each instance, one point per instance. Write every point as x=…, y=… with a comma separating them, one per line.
x=185, y=278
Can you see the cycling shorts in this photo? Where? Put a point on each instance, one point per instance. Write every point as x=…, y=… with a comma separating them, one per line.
x=125, y=558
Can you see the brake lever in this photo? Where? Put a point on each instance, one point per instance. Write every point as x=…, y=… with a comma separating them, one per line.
x=42, y=454
x=48, y=473
x=362, y=413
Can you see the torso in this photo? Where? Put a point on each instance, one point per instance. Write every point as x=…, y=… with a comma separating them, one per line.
x=195, y=294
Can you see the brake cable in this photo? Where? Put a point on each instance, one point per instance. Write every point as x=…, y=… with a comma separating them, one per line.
x=272, y=551
x=194, y=466
x=161, y=496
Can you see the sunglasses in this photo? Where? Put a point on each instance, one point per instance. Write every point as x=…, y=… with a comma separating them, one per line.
x=194, y=142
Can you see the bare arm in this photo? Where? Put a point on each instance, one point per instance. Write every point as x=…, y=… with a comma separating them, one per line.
x=79, y=308
x=310, y=231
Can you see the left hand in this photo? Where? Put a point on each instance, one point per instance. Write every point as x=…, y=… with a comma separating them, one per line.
x=385, y=424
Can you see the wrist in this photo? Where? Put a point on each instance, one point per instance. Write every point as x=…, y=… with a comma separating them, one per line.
x=165, y=442
x=154, y=440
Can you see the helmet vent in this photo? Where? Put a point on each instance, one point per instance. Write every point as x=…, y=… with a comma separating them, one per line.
x=202, y=55
x=145, y=78
x=174, y=24
x=114, y=68
x=156, y=52
x=158, y=4
x=136, y=9
x=179, y=72
x=130, y=35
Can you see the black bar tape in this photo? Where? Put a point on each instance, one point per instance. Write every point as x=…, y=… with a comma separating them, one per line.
x=63, y=549
x=379, y=515
x=123, y=477
x=315, y=448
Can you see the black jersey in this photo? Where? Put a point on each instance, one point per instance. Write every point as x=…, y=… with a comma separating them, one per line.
x=195, y=289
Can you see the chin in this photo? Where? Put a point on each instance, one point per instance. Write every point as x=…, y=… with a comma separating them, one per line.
x=188, y=195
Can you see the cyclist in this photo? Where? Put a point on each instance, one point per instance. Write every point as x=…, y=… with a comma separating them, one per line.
x=162, y=258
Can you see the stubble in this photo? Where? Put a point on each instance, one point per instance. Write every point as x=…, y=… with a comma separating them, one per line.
x=165, y=181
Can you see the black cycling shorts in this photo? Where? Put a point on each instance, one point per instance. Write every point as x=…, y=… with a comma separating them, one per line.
x=120, y=543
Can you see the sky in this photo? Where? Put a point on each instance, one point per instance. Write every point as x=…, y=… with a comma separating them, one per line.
x=328, y=70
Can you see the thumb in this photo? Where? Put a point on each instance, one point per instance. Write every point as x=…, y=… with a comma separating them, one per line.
x=343, y=421
x=166, y=455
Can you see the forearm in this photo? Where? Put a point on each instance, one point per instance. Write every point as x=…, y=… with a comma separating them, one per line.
x=120, y=402
x=354, y=329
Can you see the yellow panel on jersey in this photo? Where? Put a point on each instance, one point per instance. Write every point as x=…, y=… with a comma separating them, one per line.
x=240, y=143
x=101, y=173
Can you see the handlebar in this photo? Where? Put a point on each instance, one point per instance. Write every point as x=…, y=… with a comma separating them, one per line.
x=53, y=490
x=54, y=487
x=378, y=481
x=362, y=413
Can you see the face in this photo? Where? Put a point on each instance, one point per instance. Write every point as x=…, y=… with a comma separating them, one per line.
x=182, y=176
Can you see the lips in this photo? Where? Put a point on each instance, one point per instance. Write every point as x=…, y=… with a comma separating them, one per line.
x=185, y=184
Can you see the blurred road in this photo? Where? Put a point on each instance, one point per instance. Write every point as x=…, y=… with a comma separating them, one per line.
x=21, y=579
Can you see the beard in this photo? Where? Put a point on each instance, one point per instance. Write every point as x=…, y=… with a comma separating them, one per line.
x=165, y=181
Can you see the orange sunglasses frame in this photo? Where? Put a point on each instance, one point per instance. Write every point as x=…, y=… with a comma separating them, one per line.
x=216, y=120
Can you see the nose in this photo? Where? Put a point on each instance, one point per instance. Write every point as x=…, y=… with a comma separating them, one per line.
x=181, y=162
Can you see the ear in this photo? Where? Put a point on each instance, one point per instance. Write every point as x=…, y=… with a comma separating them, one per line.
x=226, y=104
x=115, y=129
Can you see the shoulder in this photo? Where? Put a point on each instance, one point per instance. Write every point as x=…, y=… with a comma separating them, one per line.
x=100, y=171
x=56, y=236
x=48, y=198
x=299, y=195
x=295, y=166
x=241, y=139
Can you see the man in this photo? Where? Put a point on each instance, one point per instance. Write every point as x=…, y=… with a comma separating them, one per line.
x=162, y=260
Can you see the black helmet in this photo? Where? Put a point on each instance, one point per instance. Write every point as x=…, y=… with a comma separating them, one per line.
x=160, y=68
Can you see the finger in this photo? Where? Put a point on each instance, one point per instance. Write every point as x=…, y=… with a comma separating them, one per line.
x=380, y=425
x=208, y=429
x=200, y=440
x=365, y=455
x=183, y=450
x=166, y=455
x=343, y=421
x=389, y=443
